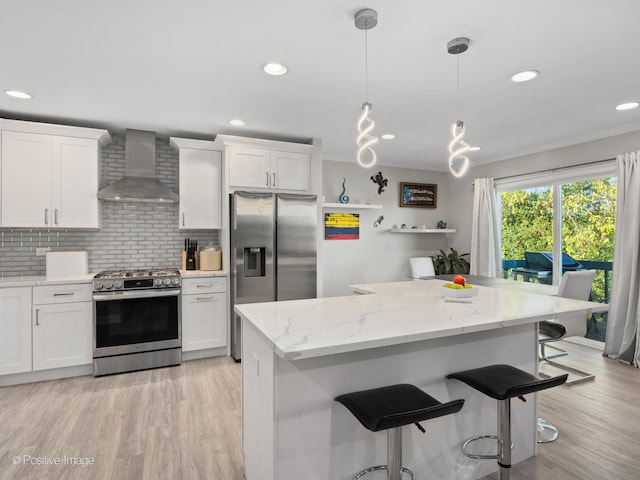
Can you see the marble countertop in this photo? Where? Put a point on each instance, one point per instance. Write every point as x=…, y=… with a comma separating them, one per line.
x=538, y=288
x=36, y=280
x=395, y=313
x=203, y=273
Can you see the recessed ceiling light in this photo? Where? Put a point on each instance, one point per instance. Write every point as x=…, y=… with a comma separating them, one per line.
x=387, y=136
x=275, y=69
x=473, y=149
x=525, y=76
x=236, y=122
x=627, y=106
x=18, y=94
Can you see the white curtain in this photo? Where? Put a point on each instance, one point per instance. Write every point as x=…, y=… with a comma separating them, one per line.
x=623, y=327
x=485, y=230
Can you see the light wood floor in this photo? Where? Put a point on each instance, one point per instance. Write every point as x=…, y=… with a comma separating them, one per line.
x=184, y=423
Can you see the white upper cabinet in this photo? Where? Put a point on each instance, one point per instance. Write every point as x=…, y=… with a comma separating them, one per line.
x=74, y=183
x=200, y=184
x=26, y=180
x=49, y=180
x=249, y=167
x=290, y=171
x=266, y=164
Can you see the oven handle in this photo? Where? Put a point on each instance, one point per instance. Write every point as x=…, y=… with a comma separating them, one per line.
x=101, y=297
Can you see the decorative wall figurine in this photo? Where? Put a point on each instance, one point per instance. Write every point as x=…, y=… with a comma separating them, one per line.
x=343, y=198
x=381, y=181
x=378, y=221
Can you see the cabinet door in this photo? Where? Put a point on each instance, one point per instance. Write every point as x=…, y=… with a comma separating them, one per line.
x=62, y=335
x=204, y=321
x=26, y=180
x=249, y=167
x=200, y=189
x=74, y=182
x=290, y=171
x=15, y=330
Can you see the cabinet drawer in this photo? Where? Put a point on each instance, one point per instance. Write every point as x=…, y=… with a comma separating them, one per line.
x=80, y=292
x=204, y=285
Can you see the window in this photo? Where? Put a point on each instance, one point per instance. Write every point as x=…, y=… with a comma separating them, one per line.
x=566, y=219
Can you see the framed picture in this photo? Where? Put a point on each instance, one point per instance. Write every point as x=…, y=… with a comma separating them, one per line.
x=423, y=195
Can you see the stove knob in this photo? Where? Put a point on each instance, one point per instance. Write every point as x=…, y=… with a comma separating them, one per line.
x=157, y=282
x=108, y=285
x=98, y=286
x=117, y=284
x=167, y=282
x=175, y=281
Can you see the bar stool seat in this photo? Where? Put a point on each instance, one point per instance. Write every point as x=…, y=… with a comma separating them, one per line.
x=503, y=382
x=390, y=408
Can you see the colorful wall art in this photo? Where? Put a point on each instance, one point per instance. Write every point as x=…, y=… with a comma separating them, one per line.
x=341, y=226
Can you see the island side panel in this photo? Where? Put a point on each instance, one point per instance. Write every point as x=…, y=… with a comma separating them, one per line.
x=318, y=438
x=258, y=405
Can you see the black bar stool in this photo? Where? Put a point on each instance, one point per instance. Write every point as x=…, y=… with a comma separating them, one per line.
x=390, y=408
x=503, y=382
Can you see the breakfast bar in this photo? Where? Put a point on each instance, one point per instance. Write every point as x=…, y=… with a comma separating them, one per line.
x=299, y=355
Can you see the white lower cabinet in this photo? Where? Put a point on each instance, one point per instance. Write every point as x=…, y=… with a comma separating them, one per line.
x=15, y=330
x=204, y=313
x=62, y=327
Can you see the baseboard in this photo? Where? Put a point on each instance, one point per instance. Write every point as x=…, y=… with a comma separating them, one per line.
x=206, y=353
x=586, y=342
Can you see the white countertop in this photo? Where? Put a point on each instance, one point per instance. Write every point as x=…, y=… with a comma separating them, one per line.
x=396, y=313
x=36, y=280
x=203, y=273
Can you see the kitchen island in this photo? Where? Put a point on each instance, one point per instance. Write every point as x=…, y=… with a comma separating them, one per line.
x=299, y=355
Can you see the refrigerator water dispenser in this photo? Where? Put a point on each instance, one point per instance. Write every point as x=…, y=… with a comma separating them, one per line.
x=254, y=262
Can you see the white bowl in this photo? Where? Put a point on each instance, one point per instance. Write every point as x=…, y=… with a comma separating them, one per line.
x=459, y=293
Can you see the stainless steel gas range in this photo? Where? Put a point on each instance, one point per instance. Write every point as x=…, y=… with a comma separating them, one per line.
x=137, y=320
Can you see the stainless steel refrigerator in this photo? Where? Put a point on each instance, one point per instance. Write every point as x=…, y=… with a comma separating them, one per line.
x=273, y=251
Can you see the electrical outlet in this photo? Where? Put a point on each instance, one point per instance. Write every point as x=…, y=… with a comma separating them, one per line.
x=41, y=252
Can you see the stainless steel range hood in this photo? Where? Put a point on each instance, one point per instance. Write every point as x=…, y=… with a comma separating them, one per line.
x=139, y=183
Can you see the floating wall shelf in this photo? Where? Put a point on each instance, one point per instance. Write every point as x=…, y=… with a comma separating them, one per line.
x=352, y=206
x=422, y=230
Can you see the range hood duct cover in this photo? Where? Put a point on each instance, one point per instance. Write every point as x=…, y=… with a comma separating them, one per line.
x=139, y=183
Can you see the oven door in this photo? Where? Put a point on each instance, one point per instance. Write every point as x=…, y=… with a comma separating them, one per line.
x=136, y=321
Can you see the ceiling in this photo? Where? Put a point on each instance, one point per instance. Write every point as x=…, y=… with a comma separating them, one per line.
x=185, y=68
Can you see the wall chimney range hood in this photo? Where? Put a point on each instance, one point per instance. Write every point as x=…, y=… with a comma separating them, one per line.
x=139, y=183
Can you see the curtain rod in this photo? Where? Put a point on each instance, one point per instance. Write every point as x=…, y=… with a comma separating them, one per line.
x=555, y=169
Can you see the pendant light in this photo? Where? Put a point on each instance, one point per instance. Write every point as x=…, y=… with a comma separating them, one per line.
x=366, y=19
x=458, y=161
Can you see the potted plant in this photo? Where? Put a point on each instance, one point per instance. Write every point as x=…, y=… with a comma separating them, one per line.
x=453, y=262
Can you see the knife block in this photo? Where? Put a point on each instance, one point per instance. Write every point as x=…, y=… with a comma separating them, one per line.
x=184, y=260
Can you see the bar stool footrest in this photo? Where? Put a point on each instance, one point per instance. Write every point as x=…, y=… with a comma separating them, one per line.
x=362, y=473
x=477, y=456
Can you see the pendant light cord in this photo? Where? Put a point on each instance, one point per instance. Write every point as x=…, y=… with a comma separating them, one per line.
x=366, y=67
x=458, y=73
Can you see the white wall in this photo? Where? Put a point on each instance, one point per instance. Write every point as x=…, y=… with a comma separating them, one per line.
x=379, y=256
x=460, y=191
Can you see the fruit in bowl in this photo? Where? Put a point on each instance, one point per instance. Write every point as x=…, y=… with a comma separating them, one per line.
x=458, y=289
